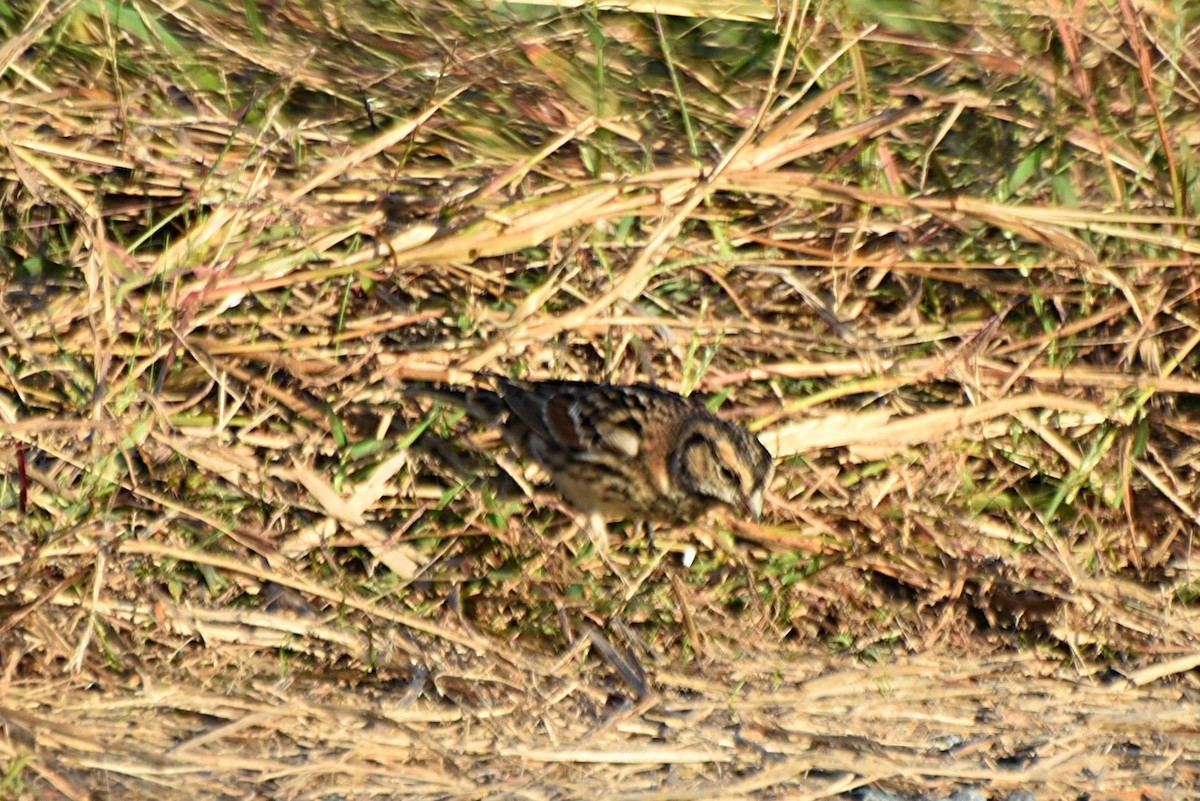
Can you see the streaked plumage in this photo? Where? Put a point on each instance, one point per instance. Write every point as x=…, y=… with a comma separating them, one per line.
x=625, y=452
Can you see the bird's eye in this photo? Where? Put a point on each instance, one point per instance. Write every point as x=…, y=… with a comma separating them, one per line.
x=729, y=477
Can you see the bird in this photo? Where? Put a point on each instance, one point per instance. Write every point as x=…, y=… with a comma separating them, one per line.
x=632, y=452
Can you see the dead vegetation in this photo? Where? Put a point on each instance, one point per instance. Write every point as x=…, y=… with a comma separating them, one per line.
x=942, y=261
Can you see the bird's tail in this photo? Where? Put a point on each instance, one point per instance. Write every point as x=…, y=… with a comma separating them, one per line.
x=479, y=403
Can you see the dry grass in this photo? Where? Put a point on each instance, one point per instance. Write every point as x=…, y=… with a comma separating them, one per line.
x=943, y=262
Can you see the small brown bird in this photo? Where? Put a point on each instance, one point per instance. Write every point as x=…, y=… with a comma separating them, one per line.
x=625, y=452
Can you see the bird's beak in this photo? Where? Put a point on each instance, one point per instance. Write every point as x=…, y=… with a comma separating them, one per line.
x=753, y=505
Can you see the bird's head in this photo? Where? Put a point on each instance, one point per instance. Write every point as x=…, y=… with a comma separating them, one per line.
x=725, y=462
